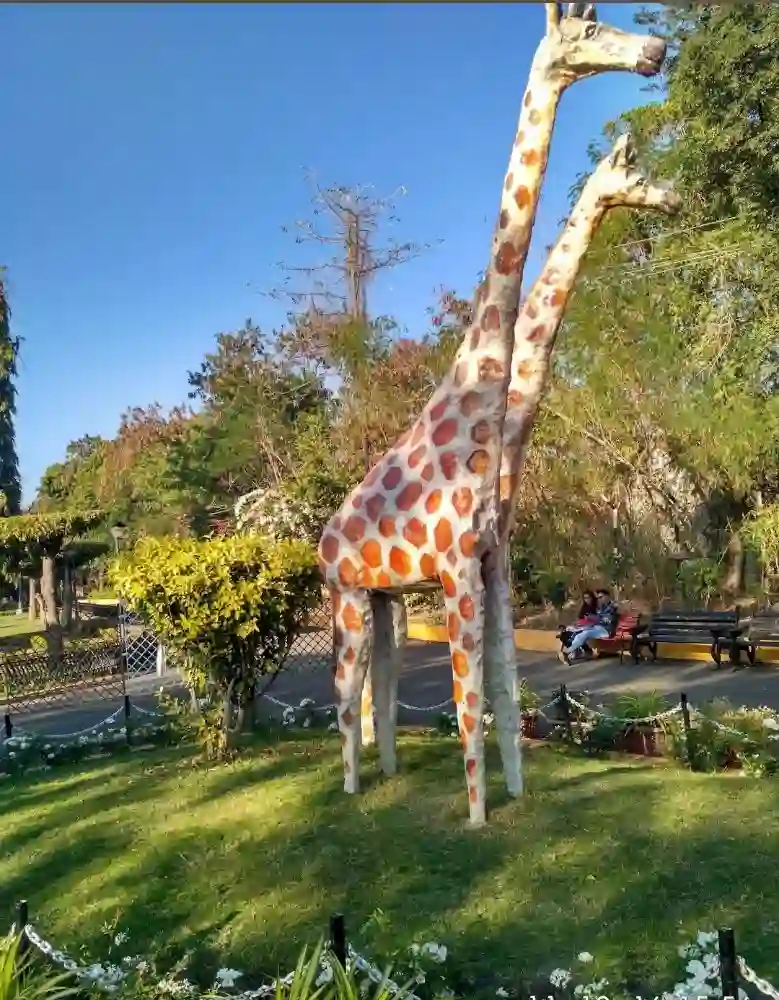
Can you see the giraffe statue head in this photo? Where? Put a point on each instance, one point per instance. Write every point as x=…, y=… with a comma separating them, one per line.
x=577, y=45
x=618, y=182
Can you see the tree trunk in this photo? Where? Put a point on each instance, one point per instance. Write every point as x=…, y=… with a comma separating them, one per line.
x=32, y=608
x=49, y=597
x=66, y=618
x=735, y=560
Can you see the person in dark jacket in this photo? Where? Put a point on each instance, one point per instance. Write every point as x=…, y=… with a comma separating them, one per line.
x=604, y=626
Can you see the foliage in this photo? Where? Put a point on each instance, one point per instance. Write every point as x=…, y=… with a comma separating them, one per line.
x=276, y=514
x=760, y=529
x=36, y=983
x=230, y=607
x=10, y=483
x=34, y=535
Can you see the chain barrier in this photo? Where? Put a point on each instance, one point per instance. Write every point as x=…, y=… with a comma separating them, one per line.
x=116, y=973
x=26, y=734
x=615, y=718
x=752, y=977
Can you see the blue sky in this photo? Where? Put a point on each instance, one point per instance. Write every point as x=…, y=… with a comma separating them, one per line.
x=153, y=153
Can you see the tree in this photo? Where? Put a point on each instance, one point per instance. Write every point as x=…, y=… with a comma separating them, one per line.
x=230, y=607
x=10, y=483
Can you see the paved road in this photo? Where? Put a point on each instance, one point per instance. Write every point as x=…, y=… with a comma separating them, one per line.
x=426, y=680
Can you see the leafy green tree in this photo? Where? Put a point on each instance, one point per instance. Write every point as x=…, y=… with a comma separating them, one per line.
x=231, y=609
x=10, y=483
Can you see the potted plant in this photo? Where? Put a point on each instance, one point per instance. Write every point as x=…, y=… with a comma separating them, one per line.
x=529, y=703
x=642, y=732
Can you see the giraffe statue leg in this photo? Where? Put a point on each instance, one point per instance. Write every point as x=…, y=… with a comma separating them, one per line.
x=353, y=642
x=367, y=723
x=390, y=631
x=500, y=669
x=465, y=613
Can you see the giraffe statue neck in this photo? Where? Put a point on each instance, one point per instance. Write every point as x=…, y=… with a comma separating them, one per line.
x=537, y=328
x=489, y=341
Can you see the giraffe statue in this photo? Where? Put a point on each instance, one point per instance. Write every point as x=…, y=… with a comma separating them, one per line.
x=615, y=183
x=427, y=513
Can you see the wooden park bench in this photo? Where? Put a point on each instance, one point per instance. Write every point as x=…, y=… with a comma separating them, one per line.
x=751, y=634
x=620, y=642
x=682, y=627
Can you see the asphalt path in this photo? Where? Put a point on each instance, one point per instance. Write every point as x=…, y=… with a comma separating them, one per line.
x=426, y=680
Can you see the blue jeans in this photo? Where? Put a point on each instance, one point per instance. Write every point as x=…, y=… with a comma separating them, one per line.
x=585, y=634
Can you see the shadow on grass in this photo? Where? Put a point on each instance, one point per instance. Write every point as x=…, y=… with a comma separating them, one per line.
x=244, y=864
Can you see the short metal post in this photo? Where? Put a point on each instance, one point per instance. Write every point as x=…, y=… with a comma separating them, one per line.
x=127, y=722
x=728, y=964
x=689, y=734
x=23, y=953
x=9, y=729
x=338, y=938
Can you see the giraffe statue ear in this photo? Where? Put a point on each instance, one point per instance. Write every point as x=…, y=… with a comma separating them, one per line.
x=589, y=13
x=623, y=153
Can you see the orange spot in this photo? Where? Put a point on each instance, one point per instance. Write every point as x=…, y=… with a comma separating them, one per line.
x=354, y=528
x=466, y=607
x=328, y=548
x=460, y=664
x=490, y=318
x=507, y=484
x=515, y=398
x=503, y=219
x=481, y=432
x=469, y=723
x=472, y=699
x=509, y=182
x=453, y=626
x=471, y=401
x=470, y=767
x=409, y=495
x=373, y=507
x=479, y=462
x=536, y=333
x=534, y=117
x=451, y=557
x=439, y=409
x=520, y=138
x=393, y=477
x=371, y=553
x=490, y=370
x=347, y=718
x=356, y=501
x=427, y=472
x=387, y=526
x=448, y=463
x=415, y=532
x=525, y=368
x=433, y=501
x=473, y=794
x=468, y=543
x=558, y=297
x=530, y=157
x=416, y=456
x=528, y=99
x=400, y=561
x=444, y=432
x=522, y=197
x=468, y=642
x=350, y=656
x=443, y=535
x=347, y=573
x=457, y=692
x=351, y=618
x=508, y=259
x=427, y=565
x=450, y=587
x=383, y=580
x=462, y=500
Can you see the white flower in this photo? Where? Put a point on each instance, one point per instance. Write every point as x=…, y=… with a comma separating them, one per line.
x=489, y=718
x=414, y=948
x=227, y=977
x=585, y=956
x=307, y=703
x=419, y=977
x=770, y=724
x=120, y=938
x=501, y=992
x=437, y=952
x=707, y=939
x=12, y=754
x=559, y=978
x=333, y=727
x=326, y=975
x=306, y=723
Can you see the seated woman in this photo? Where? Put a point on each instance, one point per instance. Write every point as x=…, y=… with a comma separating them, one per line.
x=588, y=616
x=602, y=626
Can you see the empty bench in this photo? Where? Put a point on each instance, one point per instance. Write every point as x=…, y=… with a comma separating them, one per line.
x=752, y=634
x=683, y=627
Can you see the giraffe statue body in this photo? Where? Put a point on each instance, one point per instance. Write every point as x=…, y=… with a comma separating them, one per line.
x=428, y=512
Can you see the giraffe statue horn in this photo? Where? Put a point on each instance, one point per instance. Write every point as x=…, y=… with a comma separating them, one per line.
x=576, y=9
x=553, y=14
x=589, y=13
x=623, y=153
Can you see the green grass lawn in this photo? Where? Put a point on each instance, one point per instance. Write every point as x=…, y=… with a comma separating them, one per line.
x=242, y=864
x=12, y=624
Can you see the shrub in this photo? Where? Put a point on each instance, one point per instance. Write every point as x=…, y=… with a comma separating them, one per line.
x=230, y=607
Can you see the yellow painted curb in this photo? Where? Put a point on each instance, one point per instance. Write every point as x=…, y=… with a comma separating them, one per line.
x=538, y=640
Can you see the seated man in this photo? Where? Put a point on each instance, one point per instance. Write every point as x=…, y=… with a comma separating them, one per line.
x=607, y=616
